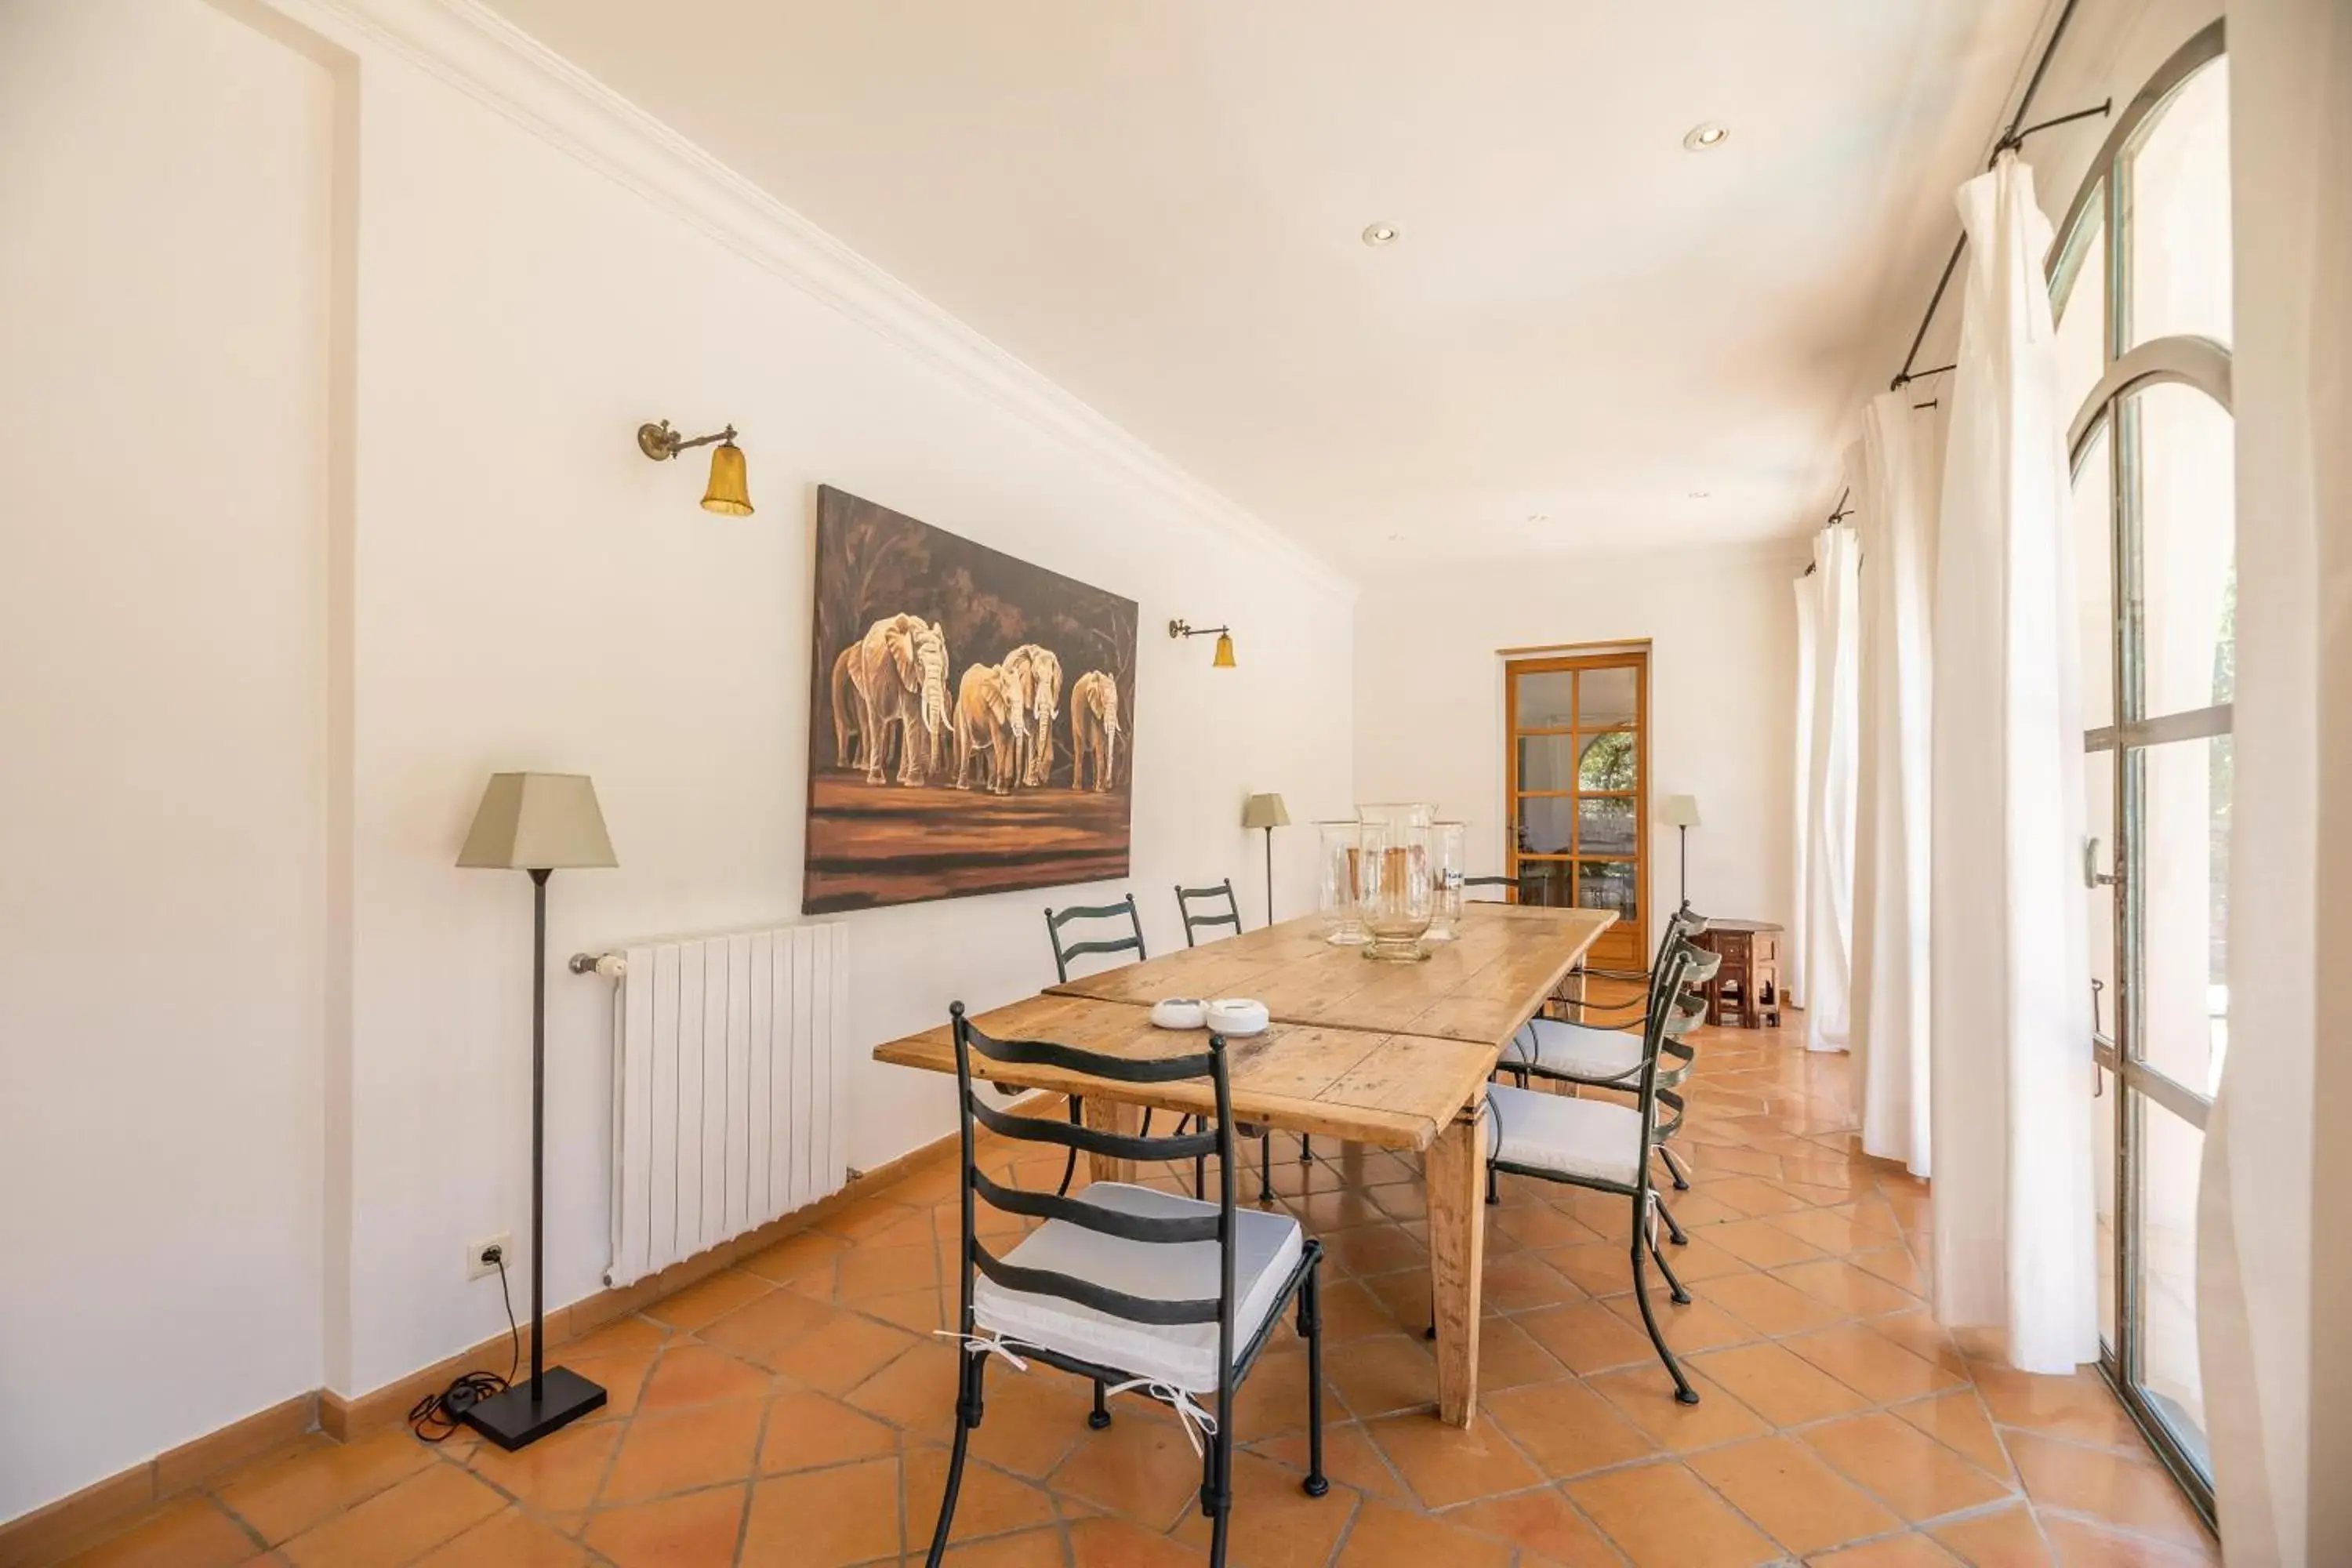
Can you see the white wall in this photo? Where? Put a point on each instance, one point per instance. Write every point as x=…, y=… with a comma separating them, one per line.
x=163, y=280
x=1428, y=699
x=523, y=590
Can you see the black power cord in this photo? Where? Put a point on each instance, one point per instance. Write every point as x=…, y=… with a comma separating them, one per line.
x=438, y=1416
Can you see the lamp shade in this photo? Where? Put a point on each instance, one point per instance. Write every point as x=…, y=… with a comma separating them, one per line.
x=1224, y=659
x=538, y=822
x=1264, y=811
x=730, y=493
x=1679, y=811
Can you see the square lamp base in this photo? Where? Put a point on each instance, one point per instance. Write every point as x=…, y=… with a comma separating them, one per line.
x=531, y=1410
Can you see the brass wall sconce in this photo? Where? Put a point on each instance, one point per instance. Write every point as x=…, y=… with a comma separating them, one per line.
x=1224, y=659
x=728, y=494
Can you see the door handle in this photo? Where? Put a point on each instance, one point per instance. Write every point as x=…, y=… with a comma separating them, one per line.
x=2092, y=875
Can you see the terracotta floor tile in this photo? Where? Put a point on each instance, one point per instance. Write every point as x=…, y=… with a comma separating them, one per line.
x=1912, y=1473
x=1835, y=1232
x=1030, y=1549
x=1761, y=1243
x=1587, y=1337
x=1597, y=1267
x=1698, y=1326
x=823, y=1518
x=2004, y=1537
x=842, y=1355
x=1861, y=1358
x=1783, y=1486
x=918, y=1312
x=869, y=1270
x=2082, y=1545
x=1751, y=1194
x=1568, y=1429
x=1957, y=1421
x=765, y=1327
x=1545, y=1525
x=1375, y=1377
x=698, y=1306
x=1386, y=1537
x=697, y=1531
x=435, y=1504
x=1768, y=1305
x=1924, y=1337
x=1646, y=1397
x=794, y=1258
x=697, y=1374
x=1542, y=1226
x=1523, y=1281
x=509, y=1540
x=680, y=1450
x=1664, y=1516
x=622, y=1377
x=1837, y=1283
x=631, y=1335
x=2131, y=1494
x=1893, y=1264
x=1350, y=1460
x=1141, y=1467
x=918, y=1391
x=1445, y=1465
x=191, y=1532
x=1351, y=1311
x=283, y=1497
x=2079, y=1407
x=556, y=1473
x=989, y=1503
x=1895, y=1551
x=1117, y=1543
x=1373, y=1249
x=1273, y=1523
x=1780, y=1386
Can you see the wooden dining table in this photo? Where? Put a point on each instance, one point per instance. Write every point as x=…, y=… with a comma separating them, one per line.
x=1391, y=1055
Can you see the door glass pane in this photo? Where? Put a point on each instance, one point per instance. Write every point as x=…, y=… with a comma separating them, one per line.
x=2170, y=1151
x=1605, y=697
x=2183, y=866
x=2103, y=1146
x=1605, y=826
x=2099, y=826
x=1609, y=762
x=2188, y=525
x=1606, y=884
x=2180, y=213
x=2093, y=521
x=1548, y=762
x=1544, y=882
x=1546, y=699
x=2083, y=313
x=1544, y=824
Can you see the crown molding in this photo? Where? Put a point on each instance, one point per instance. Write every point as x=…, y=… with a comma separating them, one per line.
x=466, y=46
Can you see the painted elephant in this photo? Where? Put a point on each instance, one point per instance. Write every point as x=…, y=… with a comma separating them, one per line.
x=1094, y=728
x=1038, y=671
x=984, y=710
x=898, y=672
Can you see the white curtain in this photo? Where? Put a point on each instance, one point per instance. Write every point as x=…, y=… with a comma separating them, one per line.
x=1796, y=992
x=1901, y=445
x=2009, y=973
x=1830, y=663
x=2271, y=1255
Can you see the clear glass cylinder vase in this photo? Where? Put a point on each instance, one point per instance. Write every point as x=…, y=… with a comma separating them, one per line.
x=1399, y=894
x=1340, y=902
x=1448, y=844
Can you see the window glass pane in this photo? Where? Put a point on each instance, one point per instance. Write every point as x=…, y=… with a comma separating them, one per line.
x=2102, y=1147
x=1546, y=699
x=1608, y=762
x=2170, y=1151
x=2083, y=315
x=1544, y=824
x=1605, y=826
x=2180, y=215
x=1544, y=882
x=1548, y=761
x=2099, y=824
x=2187, y=540
x=2184, y=878
x=2093, y=522
x=1605, y=697
x=1606, y=884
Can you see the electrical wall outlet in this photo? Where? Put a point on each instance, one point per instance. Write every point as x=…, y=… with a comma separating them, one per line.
x=482, y=1258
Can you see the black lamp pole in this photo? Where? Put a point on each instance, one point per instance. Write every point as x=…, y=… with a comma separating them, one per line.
x=1682, y=857
x=1269, y=874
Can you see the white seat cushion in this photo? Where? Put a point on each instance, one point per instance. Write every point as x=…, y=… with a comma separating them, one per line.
x=1266, y=1249
x=1550, y=1046
x=1593, y=1138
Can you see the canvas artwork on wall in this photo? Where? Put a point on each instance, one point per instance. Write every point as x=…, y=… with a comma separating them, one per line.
x=971, y=718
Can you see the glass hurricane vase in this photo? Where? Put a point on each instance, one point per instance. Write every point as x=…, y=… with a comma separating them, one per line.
x=1398, y=894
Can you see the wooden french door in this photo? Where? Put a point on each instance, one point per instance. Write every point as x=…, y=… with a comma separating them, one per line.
x=1577, y=805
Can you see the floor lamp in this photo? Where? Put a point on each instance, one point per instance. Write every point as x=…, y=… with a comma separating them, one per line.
x=1681, y=814
x=1267, y=811
x=537, y=823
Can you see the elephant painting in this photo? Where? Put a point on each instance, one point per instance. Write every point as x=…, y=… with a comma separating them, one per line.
x=1034, y=674
x=983, y=722
x=897, y=674
x=1094, y=728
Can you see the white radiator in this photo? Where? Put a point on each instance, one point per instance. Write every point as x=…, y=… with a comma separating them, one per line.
x=727, y=1088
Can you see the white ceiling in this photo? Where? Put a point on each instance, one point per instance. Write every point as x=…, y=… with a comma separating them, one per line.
x=1157, y=204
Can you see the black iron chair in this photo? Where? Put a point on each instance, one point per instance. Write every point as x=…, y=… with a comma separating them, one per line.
x=1604, y=1146
x=1137, y=1290
x=1055, y=921
x=1230, y=915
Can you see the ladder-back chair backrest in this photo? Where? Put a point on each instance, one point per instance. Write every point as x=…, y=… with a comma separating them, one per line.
x=1064, y=952
x=1672, y=975
x=1230, y=915
x=1510, y=885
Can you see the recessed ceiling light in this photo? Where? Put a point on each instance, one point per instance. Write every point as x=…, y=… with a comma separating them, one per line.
x=1707, y=134
x=1539, y=517
x=1394, y=537
x=1699, y=495
x=1379, y=234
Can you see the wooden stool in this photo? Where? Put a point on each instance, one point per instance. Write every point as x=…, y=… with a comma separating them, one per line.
x=1745, y=992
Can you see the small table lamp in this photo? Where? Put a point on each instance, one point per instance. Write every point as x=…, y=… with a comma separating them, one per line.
x=1681, y=814
x=537, y=823
x=1267, y=811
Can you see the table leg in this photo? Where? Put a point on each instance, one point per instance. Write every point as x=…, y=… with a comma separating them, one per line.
x=1110, y=1116
x=1455, y=1170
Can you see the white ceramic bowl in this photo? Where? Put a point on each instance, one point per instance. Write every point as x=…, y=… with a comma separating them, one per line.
x=1177, y=1013
x=1233, y=1016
